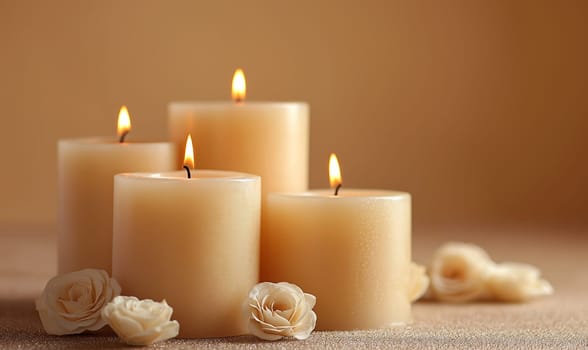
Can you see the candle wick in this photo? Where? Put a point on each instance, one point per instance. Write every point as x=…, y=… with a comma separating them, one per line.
x=238, y=100
x=337, y=189
x=122, y=137
x=188, y=171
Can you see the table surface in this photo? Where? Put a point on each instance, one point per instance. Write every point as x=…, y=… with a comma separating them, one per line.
x=28, y=260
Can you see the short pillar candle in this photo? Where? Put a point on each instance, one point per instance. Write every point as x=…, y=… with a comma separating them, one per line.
x=192, y=241
x=351, y=250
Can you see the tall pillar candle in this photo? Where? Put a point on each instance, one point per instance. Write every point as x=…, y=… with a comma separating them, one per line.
x=269, y=139
x=86, y=169
x=351, y=250
x=193, y=242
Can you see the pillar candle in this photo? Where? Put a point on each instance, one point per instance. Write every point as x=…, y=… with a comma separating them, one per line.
x=86, y=169
x=269, y=139
x=351, y=250
x=193, y=242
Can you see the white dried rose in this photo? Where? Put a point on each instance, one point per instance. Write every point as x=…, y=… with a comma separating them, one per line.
x=71, y=303
x=418, y=283
x=277, y=310
x=517, y=282
x=459, y=272
x=140, y=322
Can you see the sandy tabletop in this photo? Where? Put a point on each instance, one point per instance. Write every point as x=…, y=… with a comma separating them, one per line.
x=28, y=260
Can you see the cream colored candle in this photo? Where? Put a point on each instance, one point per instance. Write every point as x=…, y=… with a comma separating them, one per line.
x=193, y=242
x=269, y=139
x=86, y=170
x=352, y=251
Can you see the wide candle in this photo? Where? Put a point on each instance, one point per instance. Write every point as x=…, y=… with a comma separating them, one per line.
x=192, y=238
x=86, y=169
x=269, y=139
x=350, y=248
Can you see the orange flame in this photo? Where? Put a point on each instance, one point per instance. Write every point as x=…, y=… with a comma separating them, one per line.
x=239, y=86
x=334, y=171
x=189, y=153
x=124, y=122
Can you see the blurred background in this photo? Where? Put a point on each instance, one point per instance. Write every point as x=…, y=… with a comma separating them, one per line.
x=478, y=108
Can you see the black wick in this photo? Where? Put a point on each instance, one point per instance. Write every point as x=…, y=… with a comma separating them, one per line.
x=337, y=189
x=188, y=171
x=122, y=137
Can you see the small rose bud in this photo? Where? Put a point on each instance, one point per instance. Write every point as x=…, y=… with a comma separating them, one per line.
x=140, y=322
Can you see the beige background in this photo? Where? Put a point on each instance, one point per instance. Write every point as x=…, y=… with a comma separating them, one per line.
x=478, y=108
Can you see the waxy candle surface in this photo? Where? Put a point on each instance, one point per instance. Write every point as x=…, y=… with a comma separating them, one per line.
x=86, y=169
x=351, y=251
x=193, y=242
x=267, y=139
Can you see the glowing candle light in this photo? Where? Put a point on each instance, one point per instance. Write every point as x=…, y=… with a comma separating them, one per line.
x=239, y=87
x=124, y=123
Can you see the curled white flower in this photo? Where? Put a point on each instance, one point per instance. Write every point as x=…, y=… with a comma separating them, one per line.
x=277, y=310
x=517, y=282
x=140, y=322
x=418, y=283
x=71, y=303
x=459, y=272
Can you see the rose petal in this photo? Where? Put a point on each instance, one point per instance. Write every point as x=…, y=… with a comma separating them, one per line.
x=166, y=331
x=274, y=319
x=123, y=324
x=419, y=282
x=517, y=282
x=255, y=330
x=310, y=300
x=307, y=328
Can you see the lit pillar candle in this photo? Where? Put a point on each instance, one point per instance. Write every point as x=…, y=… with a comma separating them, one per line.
x=192, y=238
x=86, y=169
x=269, y=139
x=350, y=249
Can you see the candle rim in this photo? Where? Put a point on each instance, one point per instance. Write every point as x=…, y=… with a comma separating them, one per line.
x=180, y=175
x=104, y=141
x=220, y=104
x=344, y=194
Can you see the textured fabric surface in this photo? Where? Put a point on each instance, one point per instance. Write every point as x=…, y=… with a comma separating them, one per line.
x=28, y=260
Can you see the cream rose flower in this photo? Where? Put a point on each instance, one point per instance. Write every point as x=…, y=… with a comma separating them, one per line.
x=459, y=272
x=517, y=282
x=71, y=303
x=140, y=322
x=418, y=283
x=277, y=310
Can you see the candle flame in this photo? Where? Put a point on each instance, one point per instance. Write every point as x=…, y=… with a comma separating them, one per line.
x=124, y=122
x=239, y=86
x=189, y=153
x=334, y=171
